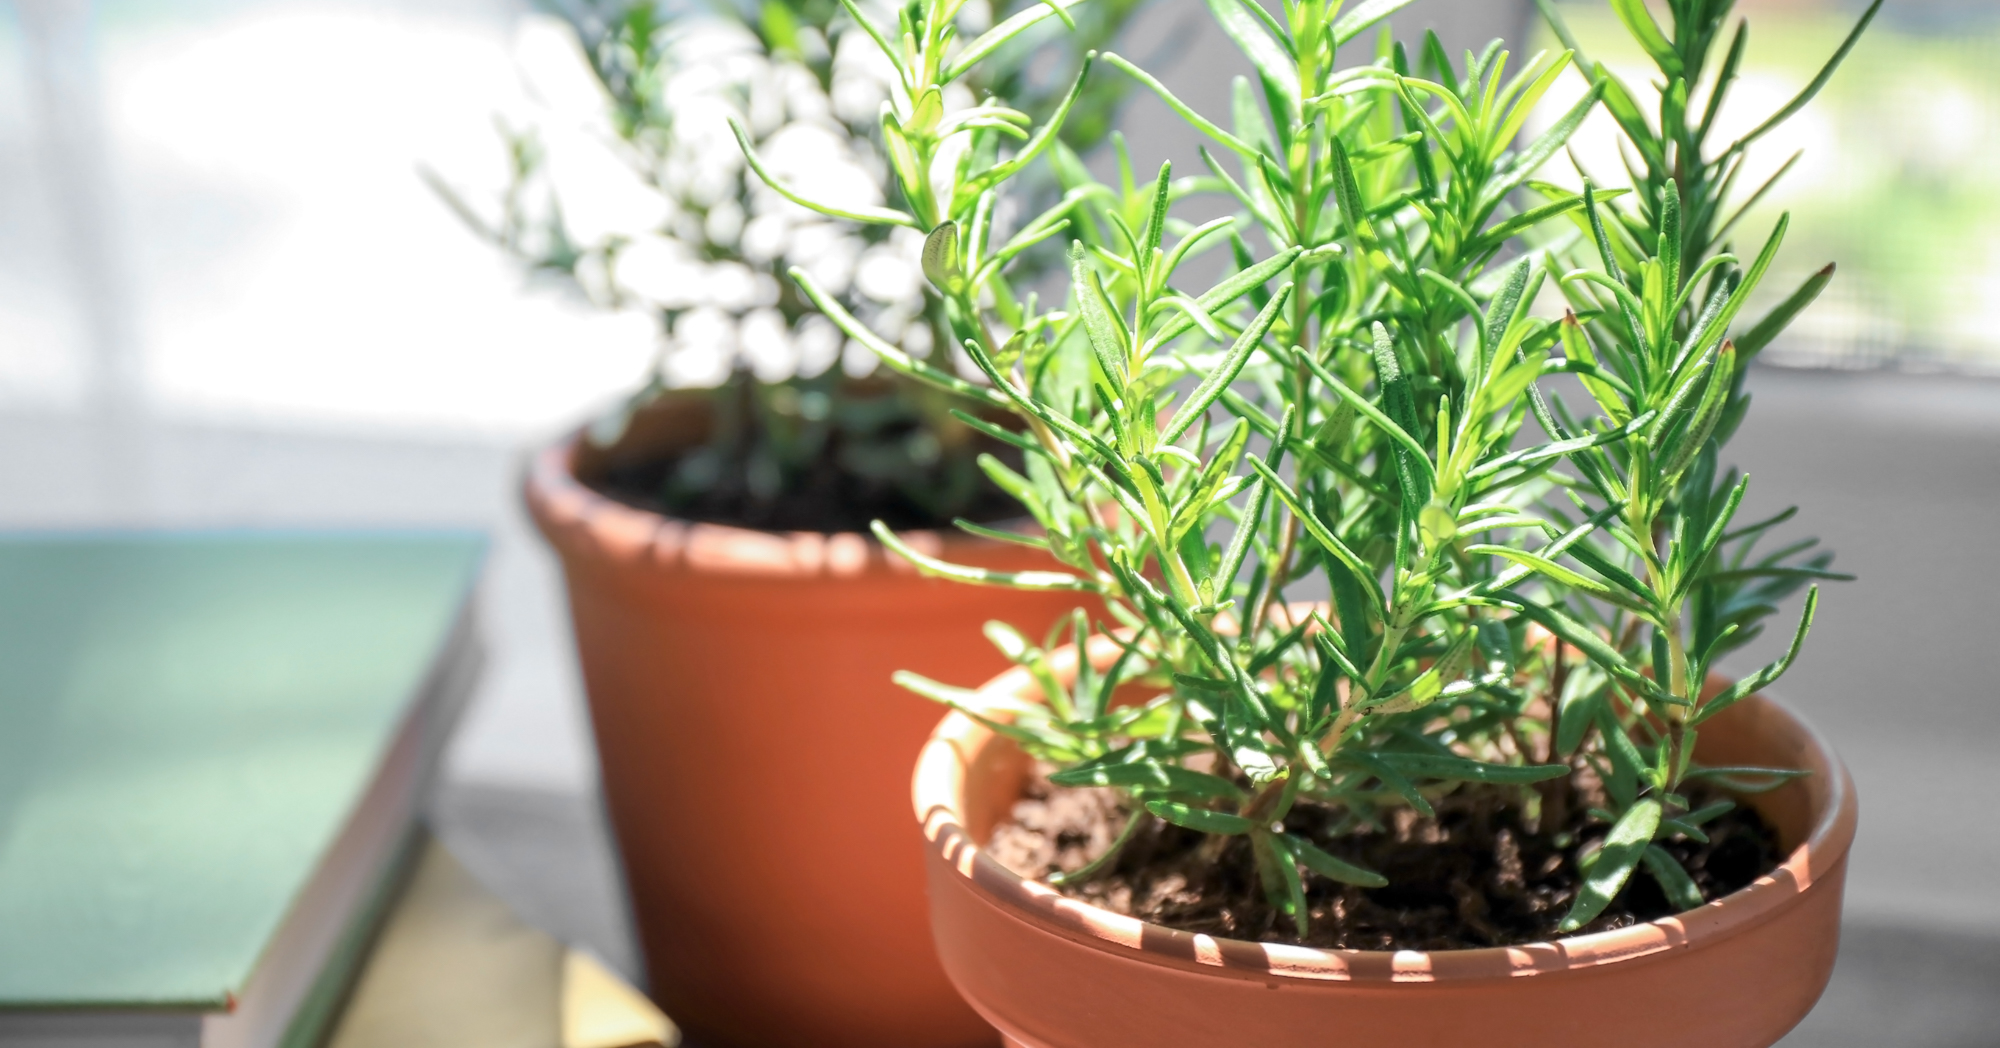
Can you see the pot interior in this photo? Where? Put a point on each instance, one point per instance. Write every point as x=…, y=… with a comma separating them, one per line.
x=664, y=427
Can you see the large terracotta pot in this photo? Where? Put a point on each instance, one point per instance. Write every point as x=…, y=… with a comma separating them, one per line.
x=1052, y=972
x=755, y=757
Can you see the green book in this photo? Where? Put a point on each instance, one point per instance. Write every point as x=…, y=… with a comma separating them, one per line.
x=212, y=749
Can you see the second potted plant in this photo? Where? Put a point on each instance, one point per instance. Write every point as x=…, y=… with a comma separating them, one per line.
x=735, y=622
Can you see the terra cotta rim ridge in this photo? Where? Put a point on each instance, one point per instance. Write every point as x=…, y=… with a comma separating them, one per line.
x=938, y=790
x=573, y=514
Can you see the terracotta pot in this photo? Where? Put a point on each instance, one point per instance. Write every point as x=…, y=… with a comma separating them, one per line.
x=754, y=755
x=1052, y=972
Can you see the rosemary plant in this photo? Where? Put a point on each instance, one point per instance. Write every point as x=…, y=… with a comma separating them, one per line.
x=800, y=438
x=1654, y=296
x=1353, y=406
x=949, y=169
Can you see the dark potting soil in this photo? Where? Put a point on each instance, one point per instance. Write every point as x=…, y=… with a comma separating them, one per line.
x=823, y=497
x=826, y=454
x=1479, y=874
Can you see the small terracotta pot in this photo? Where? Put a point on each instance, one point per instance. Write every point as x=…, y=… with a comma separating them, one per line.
x=1051, y=972
x=754, y=753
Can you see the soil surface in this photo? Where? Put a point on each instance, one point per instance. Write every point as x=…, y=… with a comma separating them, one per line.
x=1480, y=874
x=824, y=498
x=825, y=455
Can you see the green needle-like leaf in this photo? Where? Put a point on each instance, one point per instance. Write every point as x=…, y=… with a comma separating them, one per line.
x=1559, y=448
x=1106, y=332
x=1673, y=878
x=1780, y=317
x=1647, y=33
x=1558, y=573
x=940, y=259
x=1194, y=119
x=1765, y=677
x=1023, y=580
x=1347, y=191
x=896, y=359
x=1748, y=779
x=1203, y=819
x=1543, y=147
x=1711, y=332
x=867, y=215
x=1333, y=867
x=1264, y=52
x=1623, y=849
x=1364, y=14
x=1325, y=537
x=1393, y=779
x=993, y=39
x=1825, y=74
x=1005, y=436
x=1287, y=863
x=1230, y=289
x=1165, y=778
x=1586, y=640
x=1439, y=766
x=1420, y=455
x=1225, y=372
x=1043, y=137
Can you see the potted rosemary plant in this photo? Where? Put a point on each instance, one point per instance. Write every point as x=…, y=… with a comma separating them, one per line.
x=736, y=625
x=1489, y=789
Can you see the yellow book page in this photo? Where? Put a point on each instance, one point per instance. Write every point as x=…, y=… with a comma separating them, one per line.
x=454, y=968
x=601, y=1010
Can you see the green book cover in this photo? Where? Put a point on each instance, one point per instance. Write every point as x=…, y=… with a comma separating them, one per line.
x=186, y=722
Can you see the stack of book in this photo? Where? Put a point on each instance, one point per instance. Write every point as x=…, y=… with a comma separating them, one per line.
x=213, y=752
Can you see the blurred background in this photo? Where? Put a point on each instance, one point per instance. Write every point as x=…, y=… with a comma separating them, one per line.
x=228, y=297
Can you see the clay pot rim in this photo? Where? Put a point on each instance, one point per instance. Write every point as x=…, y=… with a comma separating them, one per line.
x=584, y=522
x=938, y=788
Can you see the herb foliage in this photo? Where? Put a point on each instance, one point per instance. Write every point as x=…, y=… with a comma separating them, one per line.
x=1513, y=604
